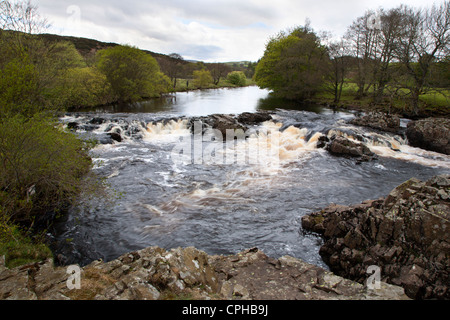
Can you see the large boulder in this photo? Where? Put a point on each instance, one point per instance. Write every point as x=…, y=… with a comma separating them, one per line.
x=379, y=121
x=341, y=146
x=430, y=134
x=405, y=234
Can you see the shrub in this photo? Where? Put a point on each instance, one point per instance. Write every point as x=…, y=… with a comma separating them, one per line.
x=42, y=169
x=237, y=78
x=202, y=78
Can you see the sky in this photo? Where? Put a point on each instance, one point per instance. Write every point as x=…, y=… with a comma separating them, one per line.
x=204, y=30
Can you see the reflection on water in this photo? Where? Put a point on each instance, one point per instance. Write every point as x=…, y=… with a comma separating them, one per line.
x=211, y=101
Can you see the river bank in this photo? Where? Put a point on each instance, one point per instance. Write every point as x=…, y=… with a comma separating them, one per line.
x=189, y=274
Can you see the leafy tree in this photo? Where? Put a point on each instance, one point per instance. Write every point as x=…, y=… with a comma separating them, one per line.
x=18, y=87
x=237, y=78
x=293, y=65
x=132, y=73
x=202, y=78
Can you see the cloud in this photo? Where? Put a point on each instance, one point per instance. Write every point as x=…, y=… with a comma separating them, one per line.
x=219, y=30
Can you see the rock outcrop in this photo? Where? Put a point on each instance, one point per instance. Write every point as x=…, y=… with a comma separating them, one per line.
x=406, y=234
x=154, y=273
x=341, y=146
x=378, y=121
x=431, y=134
x=248, y=118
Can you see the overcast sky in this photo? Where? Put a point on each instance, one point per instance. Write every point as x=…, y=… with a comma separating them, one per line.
x=206, y=30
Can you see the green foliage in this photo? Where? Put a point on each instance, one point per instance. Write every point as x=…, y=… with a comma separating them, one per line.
x=237, y=78
x=84, y=87
x=18, y=249
x=42, y=168
x=202, y=78
x=293, y=65
x=18, y=87
x=132, y=73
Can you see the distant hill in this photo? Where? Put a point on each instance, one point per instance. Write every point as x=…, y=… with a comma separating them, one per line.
x=89, y=46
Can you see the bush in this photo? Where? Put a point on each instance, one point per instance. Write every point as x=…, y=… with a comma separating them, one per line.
x=202, y=78
x=42, y=169
x=237, y=78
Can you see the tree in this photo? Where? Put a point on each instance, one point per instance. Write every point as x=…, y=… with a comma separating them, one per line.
x=363, y=35
x=218, y=70
x=202, y=78
x=172, y=66
x=425, y=39
x=293, y=65
x=390, y=29
x=339, y=67
x=237, y=78
x=132, y=73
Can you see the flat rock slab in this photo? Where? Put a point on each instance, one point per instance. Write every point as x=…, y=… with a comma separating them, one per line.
x=154, y=273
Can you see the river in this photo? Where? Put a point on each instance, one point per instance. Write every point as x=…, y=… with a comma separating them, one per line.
x=169, y=198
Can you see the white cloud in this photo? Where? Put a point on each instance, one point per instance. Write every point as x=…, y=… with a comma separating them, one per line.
x=219, y=30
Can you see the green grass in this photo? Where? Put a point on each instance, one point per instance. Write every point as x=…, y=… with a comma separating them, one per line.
x=434, y=102
x=19, y=249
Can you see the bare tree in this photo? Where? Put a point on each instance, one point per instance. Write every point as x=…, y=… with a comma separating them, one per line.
x=21, y=16
x=363, y=36
x=339, y=67
x=425, y=39
x=218, y=70
x=172, y=65
x=390, y=29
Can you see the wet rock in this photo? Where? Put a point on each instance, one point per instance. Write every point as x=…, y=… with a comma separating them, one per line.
x=405, y=234
x=97, y=120
x=431, y=134
x=341, y=146
x=248, y=118
x=226, y=124
x=73, y=125
x=116, y=135
x=378, y=121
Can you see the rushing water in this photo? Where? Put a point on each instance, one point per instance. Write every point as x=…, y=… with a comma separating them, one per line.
x=171, y=198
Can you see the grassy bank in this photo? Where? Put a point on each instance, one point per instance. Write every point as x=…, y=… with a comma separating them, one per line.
x=184, y=85
x=433, y=103
x=19, y=249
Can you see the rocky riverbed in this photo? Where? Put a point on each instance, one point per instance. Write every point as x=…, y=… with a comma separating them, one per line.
x=405, y=234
